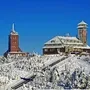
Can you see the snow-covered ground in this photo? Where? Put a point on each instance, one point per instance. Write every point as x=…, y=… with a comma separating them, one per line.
x=57, y=74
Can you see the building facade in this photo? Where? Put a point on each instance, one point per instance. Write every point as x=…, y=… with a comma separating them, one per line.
x=13, y=44
x=67, y=43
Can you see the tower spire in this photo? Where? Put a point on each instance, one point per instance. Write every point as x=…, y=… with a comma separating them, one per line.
x=13, y=28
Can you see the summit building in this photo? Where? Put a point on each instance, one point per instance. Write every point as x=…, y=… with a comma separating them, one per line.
x=67, y=43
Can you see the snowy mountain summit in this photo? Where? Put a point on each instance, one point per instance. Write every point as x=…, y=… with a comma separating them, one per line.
x=58, y=71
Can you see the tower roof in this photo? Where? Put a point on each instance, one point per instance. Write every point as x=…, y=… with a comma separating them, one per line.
x=13, y=28
x=82, y=23
x=13, y=32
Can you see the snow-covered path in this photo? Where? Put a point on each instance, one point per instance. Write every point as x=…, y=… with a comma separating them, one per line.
x=74, y=62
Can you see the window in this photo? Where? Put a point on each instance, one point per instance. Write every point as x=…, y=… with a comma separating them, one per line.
x=74, y=41
x=45, y=50
x=52, y=50
x=52, y=41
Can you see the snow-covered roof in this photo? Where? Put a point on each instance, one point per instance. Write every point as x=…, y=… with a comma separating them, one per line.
x=65, y=37
x=82, y=22
x=14, y=33
x=82, y=27
x=55, y=40
x=53, y=46
x=64, y=40
x=87, y=46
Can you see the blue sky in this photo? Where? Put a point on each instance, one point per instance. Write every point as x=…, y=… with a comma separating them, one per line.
x=37, y=21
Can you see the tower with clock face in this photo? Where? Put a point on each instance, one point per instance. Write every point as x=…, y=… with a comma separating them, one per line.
x=82, y=32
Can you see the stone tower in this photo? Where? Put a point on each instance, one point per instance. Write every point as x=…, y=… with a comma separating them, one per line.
x=82, y=32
